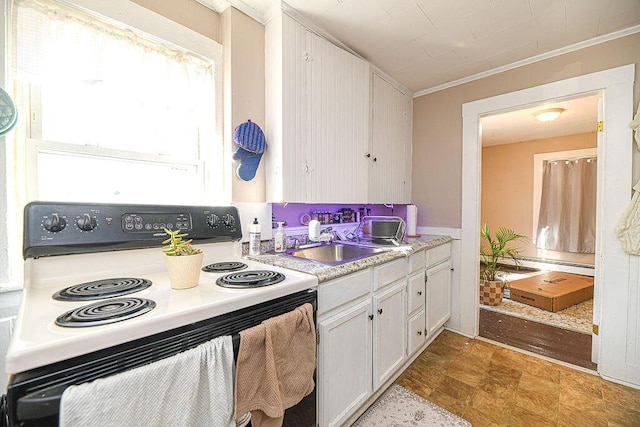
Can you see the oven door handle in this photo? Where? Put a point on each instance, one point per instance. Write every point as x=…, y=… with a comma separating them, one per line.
x=40, y=404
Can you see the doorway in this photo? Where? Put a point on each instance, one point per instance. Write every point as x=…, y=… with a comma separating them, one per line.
x=614, y=271
x=516, y=149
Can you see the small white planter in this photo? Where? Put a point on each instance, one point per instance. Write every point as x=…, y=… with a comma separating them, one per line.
x=184, y=271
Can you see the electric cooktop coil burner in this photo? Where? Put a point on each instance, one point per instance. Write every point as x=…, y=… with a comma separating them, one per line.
x=224, y=267
x=99, y=289
x=105, y=312
x=250, y=279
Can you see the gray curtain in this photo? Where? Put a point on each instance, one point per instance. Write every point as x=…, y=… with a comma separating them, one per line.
x=567, y=220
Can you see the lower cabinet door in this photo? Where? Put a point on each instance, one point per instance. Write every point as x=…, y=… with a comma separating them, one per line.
x=416, y=333
x=389, y=332
x=344, y=363
x=438, y=301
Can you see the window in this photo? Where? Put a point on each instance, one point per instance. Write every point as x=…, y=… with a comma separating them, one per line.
x=112, y=111
x=115, y=116
x=564, y=191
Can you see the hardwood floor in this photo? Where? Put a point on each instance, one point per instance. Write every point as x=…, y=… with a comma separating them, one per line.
x=493, y=386
x=545, y=340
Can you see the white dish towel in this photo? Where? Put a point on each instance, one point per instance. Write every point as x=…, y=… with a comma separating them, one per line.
x=192, y=388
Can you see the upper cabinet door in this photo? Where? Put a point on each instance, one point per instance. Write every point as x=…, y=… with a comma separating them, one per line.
x=337, y=122
x=390, y=159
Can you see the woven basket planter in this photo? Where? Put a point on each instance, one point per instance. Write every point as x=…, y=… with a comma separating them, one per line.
x=491, y=292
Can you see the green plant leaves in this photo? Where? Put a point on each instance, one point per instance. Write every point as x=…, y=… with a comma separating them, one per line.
x=176, y=246
x=496, y=248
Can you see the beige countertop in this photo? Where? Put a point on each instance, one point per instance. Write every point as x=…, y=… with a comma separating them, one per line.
x=326, y=272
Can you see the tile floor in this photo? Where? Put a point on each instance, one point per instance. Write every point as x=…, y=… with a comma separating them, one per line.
x=490, y=385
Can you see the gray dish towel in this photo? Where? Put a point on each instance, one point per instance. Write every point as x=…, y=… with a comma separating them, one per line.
x=192, y=388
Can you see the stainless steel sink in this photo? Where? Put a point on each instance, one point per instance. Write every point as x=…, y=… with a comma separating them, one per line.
x=334, y=253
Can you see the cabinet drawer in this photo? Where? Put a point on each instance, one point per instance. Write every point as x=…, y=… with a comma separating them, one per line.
x=389, y=273
x=340, y=291
x=438, y=254
x=415, y=292
x=416, y=332
x=417, y=261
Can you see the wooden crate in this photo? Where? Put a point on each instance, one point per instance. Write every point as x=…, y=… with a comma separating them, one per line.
x=552, y=291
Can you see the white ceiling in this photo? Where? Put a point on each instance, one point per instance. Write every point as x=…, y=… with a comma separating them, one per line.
x=580, y=116
x=424, y=44
x=427, y=45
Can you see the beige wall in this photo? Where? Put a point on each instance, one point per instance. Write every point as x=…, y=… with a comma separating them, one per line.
x=437, y=122
x=507, y=188
x=244, y=91
x=189, y=13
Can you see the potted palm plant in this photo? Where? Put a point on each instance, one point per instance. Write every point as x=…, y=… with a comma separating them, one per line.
x=183, y=260
x=496, y=249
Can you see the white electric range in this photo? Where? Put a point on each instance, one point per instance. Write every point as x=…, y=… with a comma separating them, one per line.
x=109, y=257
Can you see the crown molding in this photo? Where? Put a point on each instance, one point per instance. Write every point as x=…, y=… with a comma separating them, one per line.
x=567, y=49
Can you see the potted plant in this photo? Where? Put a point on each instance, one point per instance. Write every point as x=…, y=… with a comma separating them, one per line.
x=183, y=260
x=490, y=256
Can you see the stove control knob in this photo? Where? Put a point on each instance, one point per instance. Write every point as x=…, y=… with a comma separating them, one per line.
x=86, y=223
x=54, y=223
x=229, y=220
x=213, y=220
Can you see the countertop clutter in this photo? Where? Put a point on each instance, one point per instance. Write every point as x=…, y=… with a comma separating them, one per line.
x=325, y=272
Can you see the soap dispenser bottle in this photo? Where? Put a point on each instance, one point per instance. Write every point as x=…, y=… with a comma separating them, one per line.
x=254, y=238
x=280, y=239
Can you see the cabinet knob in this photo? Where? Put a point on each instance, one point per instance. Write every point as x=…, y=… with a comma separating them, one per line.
x=420, y=333
x=375, y=159
x=419, y=292
x=371, y=317
x=379, y=311
x=368, y=155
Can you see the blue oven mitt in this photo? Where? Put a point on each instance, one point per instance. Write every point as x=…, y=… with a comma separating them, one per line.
x=251, y=144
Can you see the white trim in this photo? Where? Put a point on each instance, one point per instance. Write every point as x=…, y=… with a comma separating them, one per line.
x=614, y=188
x=572, y=48
x=538, y=160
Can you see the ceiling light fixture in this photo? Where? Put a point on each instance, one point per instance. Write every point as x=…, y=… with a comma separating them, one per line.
x=549, y=114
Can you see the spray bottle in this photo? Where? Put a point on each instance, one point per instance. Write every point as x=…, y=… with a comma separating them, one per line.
x=280, y=239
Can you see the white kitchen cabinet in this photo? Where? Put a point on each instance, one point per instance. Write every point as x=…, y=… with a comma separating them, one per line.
x=344, y=363
x=390, y=150
x=416, y=333
x=317, y=118
x=416, y=292
x=388, y=332
x=286, y=106
x=336, y=131
x=362, y=337
x=370, y=323
x=438, y=288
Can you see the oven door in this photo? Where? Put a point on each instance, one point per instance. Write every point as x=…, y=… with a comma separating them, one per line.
x=33, y=397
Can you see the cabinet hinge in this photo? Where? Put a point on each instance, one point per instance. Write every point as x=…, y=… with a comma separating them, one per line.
x=318, y=338
x=600, y=126
x=595, y=329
